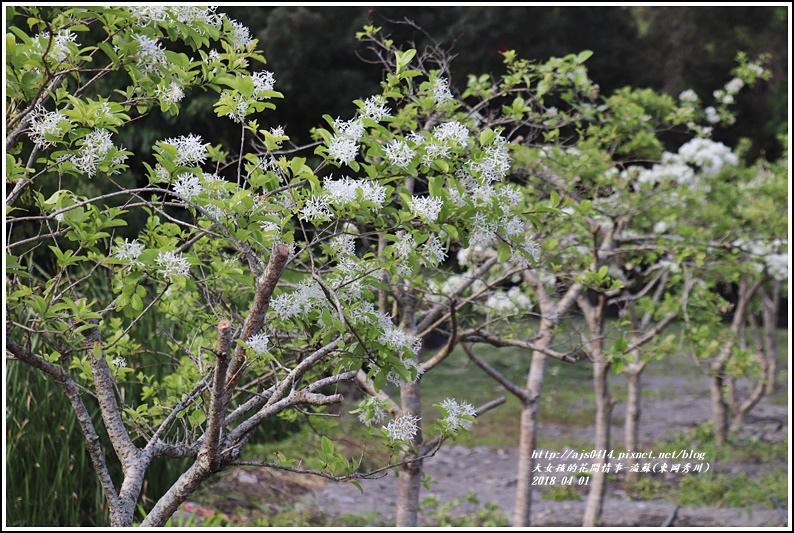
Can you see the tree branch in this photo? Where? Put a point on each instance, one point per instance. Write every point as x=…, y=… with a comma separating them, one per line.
x=215, y=421
x=476, y=335
x=70, y=390
x=518, y=392
x=265, y=286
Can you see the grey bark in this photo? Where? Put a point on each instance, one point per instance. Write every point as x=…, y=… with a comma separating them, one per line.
x=594, y=316
x=410, y=474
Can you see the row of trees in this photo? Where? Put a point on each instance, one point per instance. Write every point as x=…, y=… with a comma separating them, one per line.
x=278, y=272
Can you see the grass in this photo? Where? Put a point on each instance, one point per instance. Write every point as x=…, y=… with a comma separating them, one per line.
x=715, y=488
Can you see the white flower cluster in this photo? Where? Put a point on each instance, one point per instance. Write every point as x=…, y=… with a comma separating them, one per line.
x=477, y=193
x=768, y=253
x=426, y=207
x=46, y=123
x=405, y=246
x=240, y=35
x=172, y=264
x=59, y=50
x=511, y=302
x=263, y=81
x=214, y=185
x=306, y=297
x=403, y=249
x=710, y=156
x=777, y=266
x=375, y=108
x=711, y=115
x=483, y=232
x=190, y=149
x=119, y=362
x=344, y=244
x=144, y=15
x=445, y=288
x=395, y=337
x=192, y=15
x=688, y=97
x=455, y=411
x=170, y=94
x=696, y=159
x=530, y=248
x=402, y=428
x=454, y=131
x=396, y=379
x=512, y=225
x=342, y=146
x=433, y=252
x=188, y=185
x=95, y=148
x=734, y=86
x=258, y=343
x=151, y=56
x=440, y=91
x=344, y=191
x=399, y=154
x=128, y=251
x=671, y=266
x=756, y=68
x=238, y=106
x=434, y=149
x=496, y=163
x=315, y=210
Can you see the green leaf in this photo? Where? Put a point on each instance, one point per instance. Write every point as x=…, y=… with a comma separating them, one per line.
x=327, y=447
x=621, y=344
x=503, y=252
x=583, y=56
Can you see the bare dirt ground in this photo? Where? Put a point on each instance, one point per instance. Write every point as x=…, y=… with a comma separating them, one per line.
x=679, y=404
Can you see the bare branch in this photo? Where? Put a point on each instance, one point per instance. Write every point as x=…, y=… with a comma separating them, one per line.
x=215, y=421
x=477, y=335
x=518, y=392
x=256, y=314
x=444, y=352
x=71, y=391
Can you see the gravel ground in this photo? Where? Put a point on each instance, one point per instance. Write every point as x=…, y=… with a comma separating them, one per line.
x=489, y=472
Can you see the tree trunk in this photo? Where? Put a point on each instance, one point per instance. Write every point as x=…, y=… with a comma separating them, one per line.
x=632, y=427
x=770, y=312
x=719, y=407
x=718, y=403
x=595, y=499
x=410, y=475
x=529, y=426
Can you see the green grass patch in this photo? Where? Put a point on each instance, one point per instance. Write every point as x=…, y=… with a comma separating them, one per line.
x=739, y=448
x=561, y=493
x=720, y=490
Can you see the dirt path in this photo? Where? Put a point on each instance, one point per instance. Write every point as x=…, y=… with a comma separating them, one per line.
x=490, y=472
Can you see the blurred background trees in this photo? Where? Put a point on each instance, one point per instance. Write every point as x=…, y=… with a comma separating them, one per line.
x=668, y=49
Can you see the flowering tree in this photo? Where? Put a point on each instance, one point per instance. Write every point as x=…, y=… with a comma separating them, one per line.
x=617, y=246
x=275, y=274
x=747, y=249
